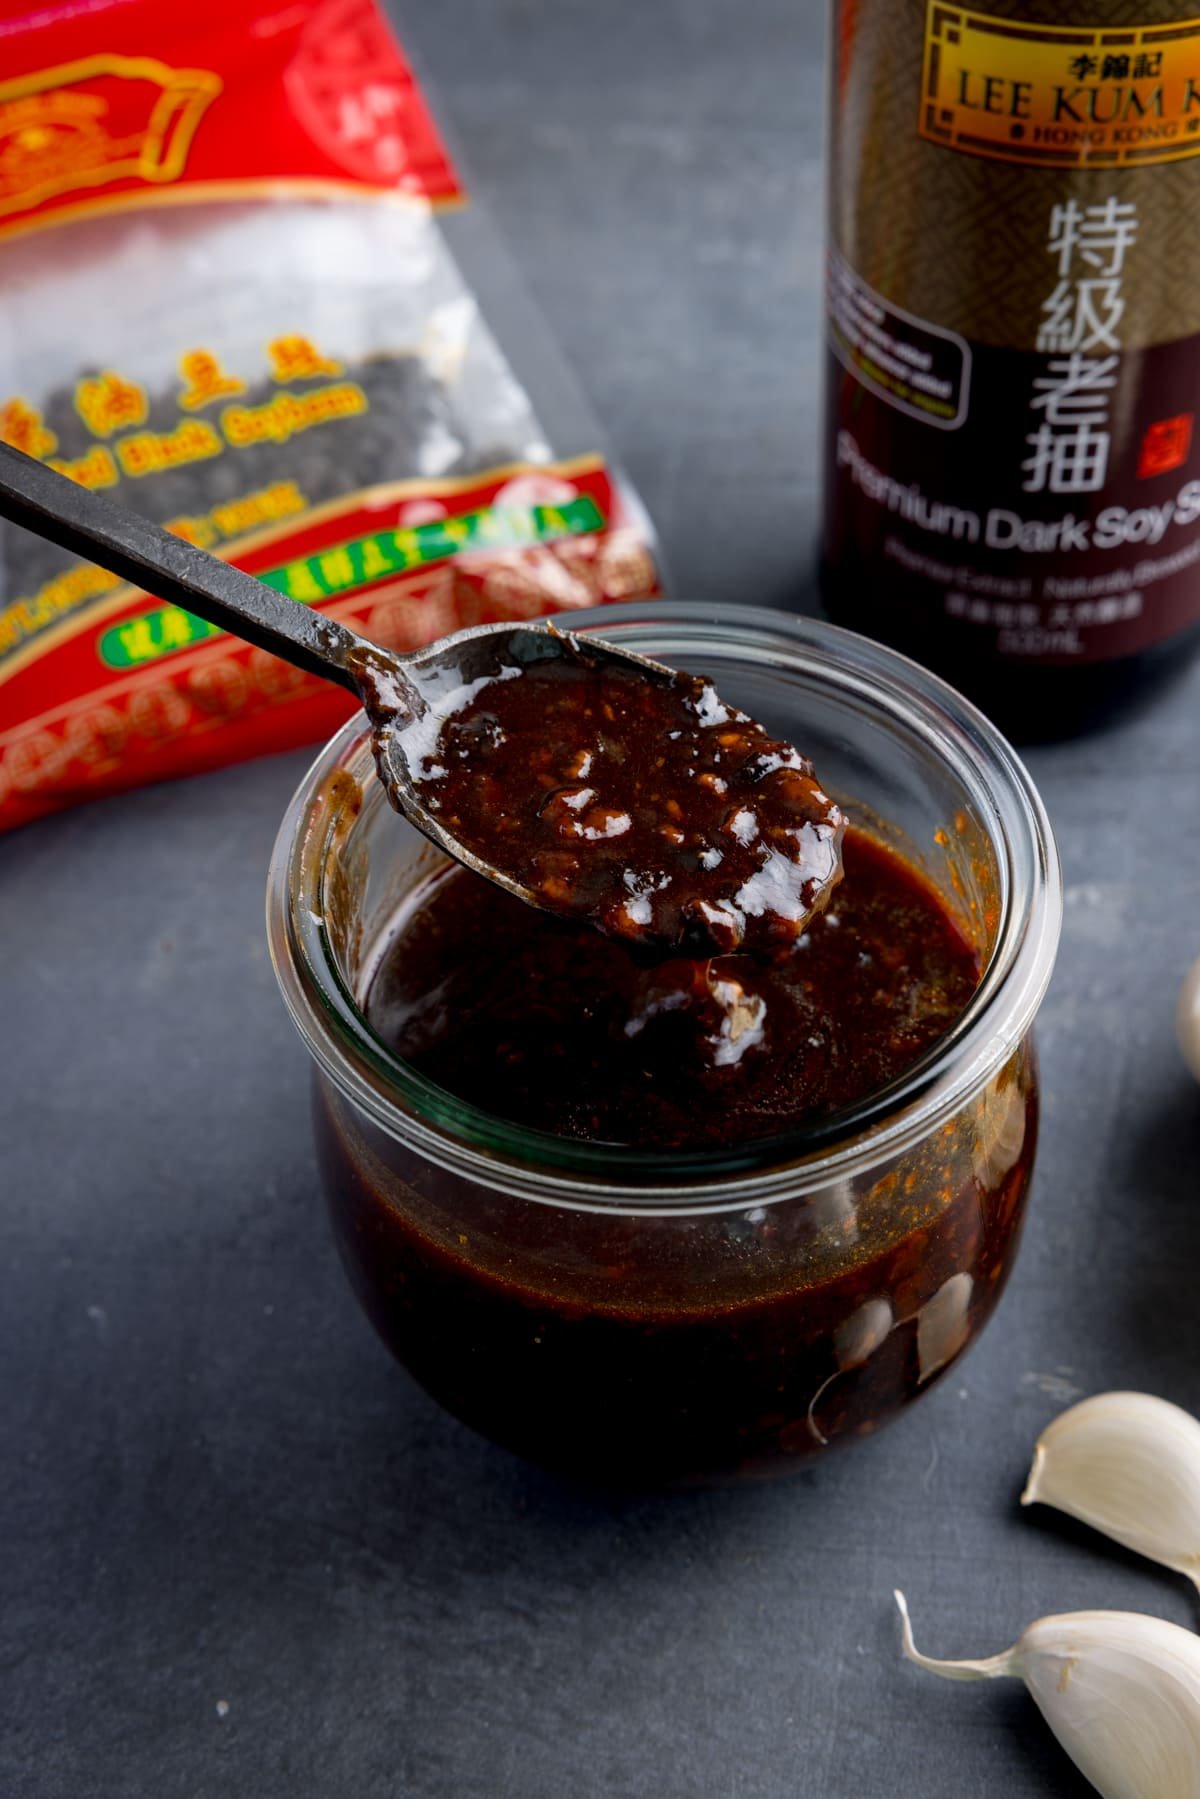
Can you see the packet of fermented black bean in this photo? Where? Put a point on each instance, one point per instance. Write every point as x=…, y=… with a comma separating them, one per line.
x=240, y=291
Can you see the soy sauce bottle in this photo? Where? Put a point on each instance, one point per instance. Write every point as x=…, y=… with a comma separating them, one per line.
x=1012, y=458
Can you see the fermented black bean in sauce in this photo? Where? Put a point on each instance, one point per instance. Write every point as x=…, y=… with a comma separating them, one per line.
x=647, y=806
x=634, y=1348
x=641, y=1348
x=558, y=1028
x=637, y=1350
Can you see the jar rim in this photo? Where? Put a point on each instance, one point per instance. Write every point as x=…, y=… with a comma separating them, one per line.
x=591, y=1176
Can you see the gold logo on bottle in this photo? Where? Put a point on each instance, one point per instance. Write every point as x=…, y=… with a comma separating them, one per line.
x=1056, y=96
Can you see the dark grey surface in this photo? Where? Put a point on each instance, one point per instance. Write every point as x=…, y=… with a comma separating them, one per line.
x=239, y=1553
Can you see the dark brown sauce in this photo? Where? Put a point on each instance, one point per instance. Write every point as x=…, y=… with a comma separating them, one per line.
x=557, y=1028
x=640, y=803
x=647, y=1348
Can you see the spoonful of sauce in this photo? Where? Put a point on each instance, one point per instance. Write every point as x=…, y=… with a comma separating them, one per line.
x=585, y=779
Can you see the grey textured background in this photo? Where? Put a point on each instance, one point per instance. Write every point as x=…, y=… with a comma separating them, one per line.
x=217, y=1490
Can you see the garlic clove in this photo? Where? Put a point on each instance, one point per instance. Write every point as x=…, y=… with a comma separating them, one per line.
x=858, y=1337
x=1127, y=1464
x=1120, y=1691
x=1187, y=1018
x=943, y=1325
x=1002, y=1123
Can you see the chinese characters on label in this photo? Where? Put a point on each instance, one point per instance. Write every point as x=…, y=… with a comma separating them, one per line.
x=1146, y=66
x=22, y=426
x=109, y=404
x=1069, y=447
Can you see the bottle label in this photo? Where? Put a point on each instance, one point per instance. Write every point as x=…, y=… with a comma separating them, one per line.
x=1014, y=372
x=1060, y=96
x=1049, y=574
x=917, y=367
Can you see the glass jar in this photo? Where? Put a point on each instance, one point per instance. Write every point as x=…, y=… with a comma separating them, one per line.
x=634, y=1315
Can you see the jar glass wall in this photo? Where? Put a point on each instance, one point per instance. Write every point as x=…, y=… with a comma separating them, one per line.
x=637, y=1314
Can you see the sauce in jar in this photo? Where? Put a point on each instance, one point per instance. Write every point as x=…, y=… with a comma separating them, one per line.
x=668, y=1349
x=563, y=1030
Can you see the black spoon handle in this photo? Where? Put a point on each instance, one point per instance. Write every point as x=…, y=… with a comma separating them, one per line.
x=130, y=546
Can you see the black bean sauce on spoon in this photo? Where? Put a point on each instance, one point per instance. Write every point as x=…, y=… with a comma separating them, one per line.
x=640, y=802
x=585, y=779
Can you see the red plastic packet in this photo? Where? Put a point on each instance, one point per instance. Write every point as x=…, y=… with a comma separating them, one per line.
x=243, y=296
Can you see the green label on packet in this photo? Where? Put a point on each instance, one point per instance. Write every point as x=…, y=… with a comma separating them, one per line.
x=343, y=567
x=153, y=634
x=350, y=565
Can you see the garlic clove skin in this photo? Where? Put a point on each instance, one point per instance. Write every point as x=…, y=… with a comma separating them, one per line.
x=1127, y=1464
x=1120, y=1691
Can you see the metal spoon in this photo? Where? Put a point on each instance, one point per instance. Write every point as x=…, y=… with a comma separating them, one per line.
x=397, y=690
